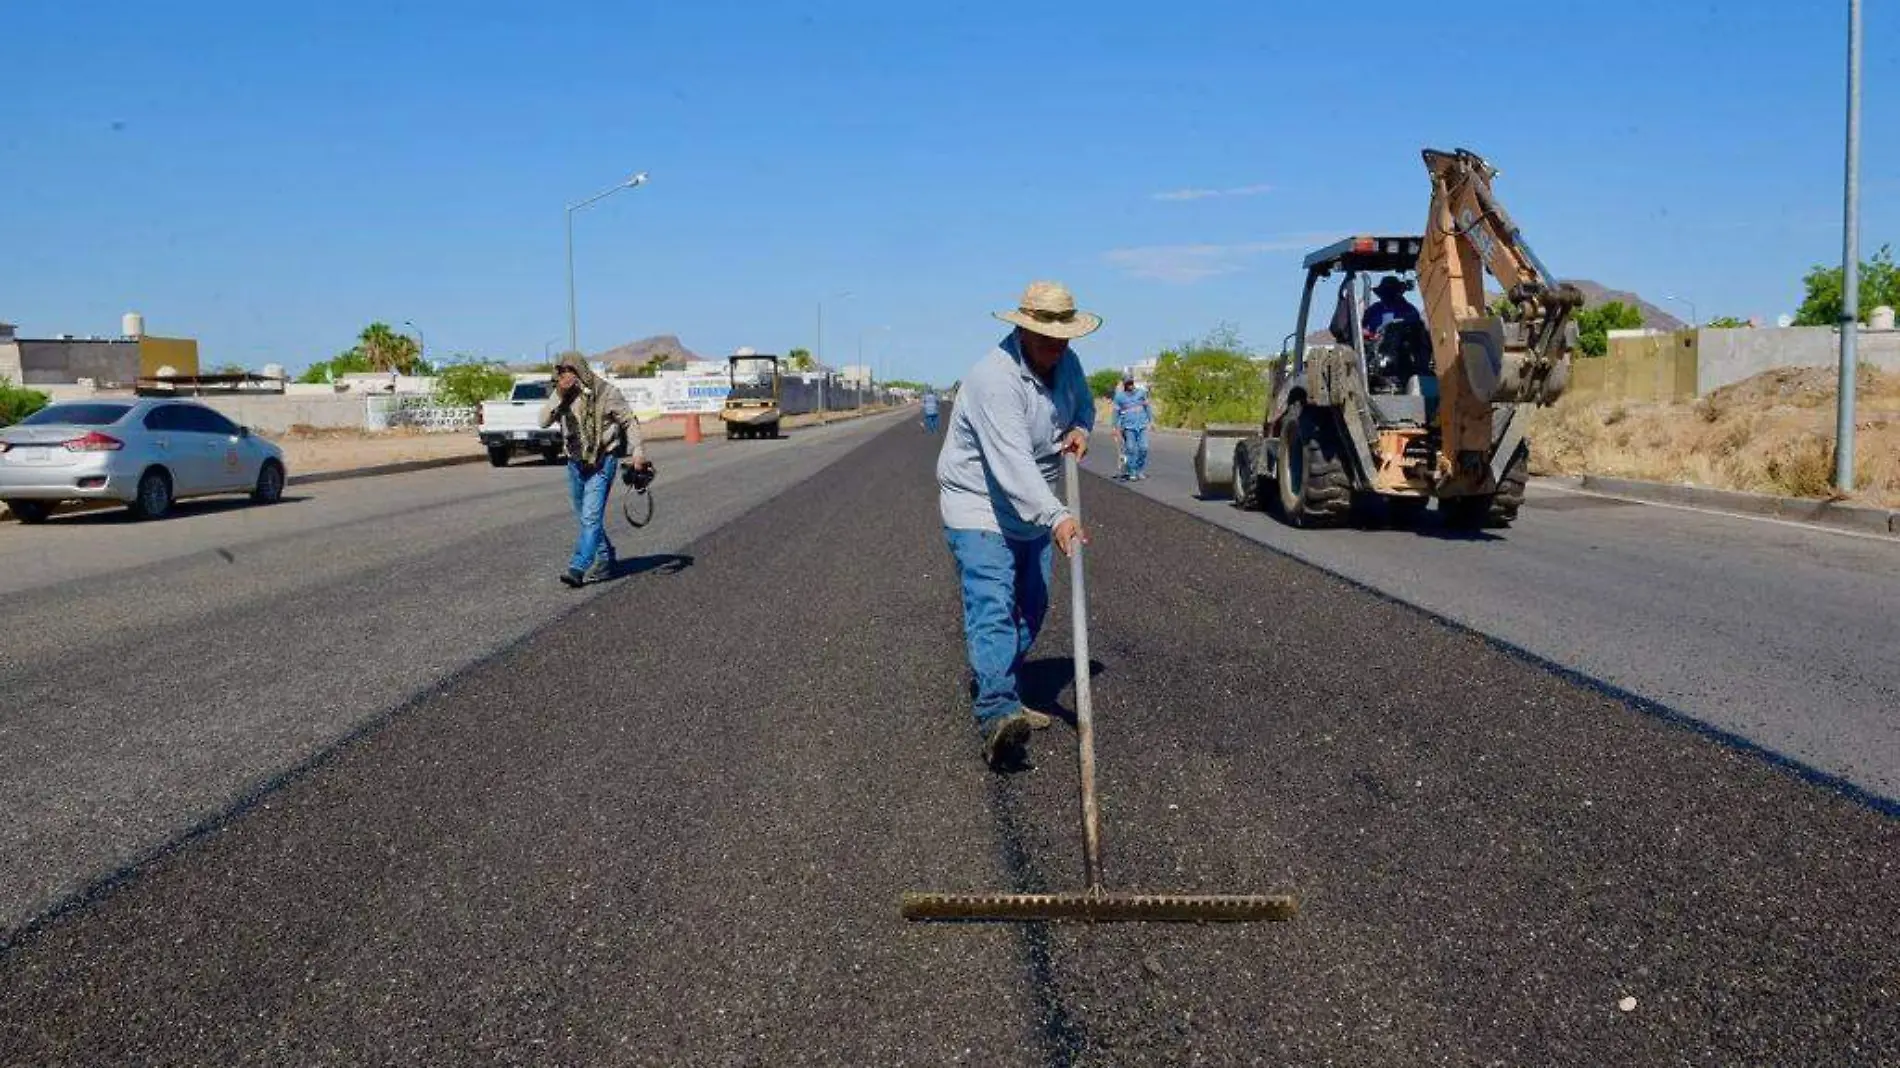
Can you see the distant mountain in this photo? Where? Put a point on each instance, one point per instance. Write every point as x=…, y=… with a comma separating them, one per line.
x=1654, y=318
x=640, y=352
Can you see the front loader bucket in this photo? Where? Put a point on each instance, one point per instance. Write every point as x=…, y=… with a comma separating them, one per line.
x=1214, y=457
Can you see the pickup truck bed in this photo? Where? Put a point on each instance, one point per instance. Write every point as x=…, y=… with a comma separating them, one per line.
x=508, y=427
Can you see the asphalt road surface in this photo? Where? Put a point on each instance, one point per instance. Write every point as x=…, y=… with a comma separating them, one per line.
x=1772, y=634
x=672, y=825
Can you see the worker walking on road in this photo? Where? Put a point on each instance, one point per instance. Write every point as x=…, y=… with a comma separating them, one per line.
x=1133, y=415
x=930, y=411
x=1019, y=409
x=599, y=430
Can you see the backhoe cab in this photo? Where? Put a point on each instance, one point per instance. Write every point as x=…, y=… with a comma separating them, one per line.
x=1414, y=411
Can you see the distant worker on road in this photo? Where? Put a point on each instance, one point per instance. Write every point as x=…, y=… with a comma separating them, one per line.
x=1391, y=305
x=1133, y=415
x=1018, y=410
x=930, y=411
x=599, y=430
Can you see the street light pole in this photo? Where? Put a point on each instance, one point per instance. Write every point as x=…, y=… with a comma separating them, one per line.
x=1694, y=320
x=422, y=342
x=818, y=351
x=573, y=330
x=1850, y=266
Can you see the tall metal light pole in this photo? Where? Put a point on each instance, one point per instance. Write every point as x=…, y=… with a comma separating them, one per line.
x=861, y=333
x=1693, y=320
x=573, y=329
x=422, y=342
x=818, y=350
x=1850, y=266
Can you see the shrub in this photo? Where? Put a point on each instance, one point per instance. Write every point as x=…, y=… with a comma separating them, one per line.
x=468, y=384
x=1212, y=380
x=17, y=403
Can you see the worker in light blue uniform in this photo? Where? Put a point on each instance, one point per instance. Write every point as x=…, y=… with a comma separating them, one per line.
x=930, y=411
x=1134, y=414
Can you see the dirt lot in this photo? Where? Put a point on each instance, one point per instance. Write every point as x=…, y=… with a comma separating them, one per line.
x=1773, y=433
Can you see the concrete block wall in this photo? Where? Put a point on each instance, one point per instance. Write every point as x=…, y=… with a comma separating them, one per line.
x=1728, y=356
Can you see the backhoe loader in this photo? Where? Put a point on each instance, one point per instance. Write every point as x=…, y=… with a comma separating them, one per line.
x=1428, y=408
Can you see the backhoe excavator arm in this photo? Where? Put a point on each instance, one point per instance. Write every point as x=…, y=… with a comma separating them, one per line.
x=1481, y=359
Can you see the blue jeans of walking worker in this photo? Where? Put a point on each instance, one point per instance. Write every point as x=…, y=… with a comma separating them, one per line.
x=1005, y=599
x=1135, y=449
x=589, y=494
x=930, y=422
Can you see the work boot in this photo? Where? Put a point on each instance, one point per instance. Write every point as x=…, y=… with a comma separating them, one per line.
x=1006, y=742
x=1038, y=721
x=573, y=578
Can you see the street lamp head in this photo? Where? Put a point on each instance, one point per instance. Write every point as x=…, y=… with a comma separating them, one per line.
x=638, y=179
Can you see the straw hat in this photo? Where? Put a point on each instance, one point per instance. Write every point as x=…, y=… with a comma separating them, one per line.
x=1048, y=308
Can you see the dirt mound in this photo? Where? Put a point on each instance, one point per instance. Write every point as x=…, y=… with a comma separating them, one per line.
x=1807, y=387
x=1772, y=433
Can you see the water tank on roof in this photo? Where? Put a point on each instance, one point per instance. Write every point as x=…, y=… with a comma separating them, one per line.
x=273, y=370
x=132, y=325
x=1880, y=318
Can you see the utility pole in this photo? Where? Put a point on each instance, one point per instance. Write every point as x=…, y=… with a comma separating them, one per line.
x=1850, y=266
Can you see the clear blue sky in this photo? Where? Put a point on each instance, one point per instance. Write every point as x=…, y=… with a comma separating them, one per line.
x=270, y=178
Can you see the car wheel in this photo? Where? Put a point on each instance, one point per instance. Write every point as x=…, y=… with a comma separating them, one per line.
x=154, y=500
x=498, y=455
x=30, y=511
x=270, y=483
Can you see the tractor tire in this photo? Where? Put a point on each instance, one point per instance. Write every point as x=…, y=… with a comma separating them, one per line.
x=1492, y=511
x=1315, y=490
x=1246, y=479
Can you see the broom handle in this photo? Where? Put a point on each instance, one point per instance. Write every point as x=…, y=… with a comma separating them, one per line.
x=1084, y=707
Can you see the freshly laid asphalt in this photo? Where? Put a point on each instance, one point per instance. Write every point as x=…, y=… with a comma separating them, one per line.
x=672, y=826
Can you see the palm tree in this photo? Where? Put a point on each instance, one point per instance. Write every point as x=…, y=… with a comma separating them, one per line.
x=386, y=350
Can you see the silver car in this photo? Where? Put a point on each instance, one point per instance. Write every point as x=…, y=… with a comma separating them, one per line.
x=146, y=453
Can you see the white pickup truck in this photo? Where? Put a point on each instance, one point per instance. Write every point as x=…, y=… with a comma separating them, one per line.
x=514, y=425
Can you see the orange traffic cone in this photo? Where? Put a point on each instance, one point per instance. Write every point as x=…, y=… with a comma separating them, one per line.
x=692, y=428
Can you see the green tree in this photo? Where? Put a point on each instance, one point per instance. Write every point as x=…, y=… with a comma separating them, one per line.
x=386, y=350
x=343, y=363
x=1594, y=325
x=17, y=403
x=1727, y=322
x=799, y=360
x=467, y=383
x=1879, y=284
x=1212, y=380
x=1102, y=383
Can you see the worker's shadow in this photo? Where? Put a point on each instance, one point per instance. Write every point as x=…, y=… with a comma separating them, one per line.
x=660, y=563
x=1043, y=681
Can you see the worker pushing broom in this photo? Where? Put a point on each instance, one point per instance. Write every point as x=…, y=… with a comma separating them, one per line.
x=1023, y=416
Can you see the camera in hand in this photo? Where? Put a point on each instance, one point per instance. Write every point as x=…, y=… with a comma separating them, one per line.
x=639, y=478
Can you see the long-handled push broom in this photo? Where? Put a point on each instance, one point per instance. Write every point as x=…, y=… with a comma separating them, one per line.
x=1093, y=905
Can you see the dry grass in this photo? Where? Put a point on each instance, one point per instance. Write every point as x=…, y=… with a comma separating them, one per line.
x=1773, y=433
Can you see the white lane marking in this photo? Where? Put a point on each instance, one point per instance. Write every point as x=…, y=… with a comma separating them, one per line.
x=1816, y=528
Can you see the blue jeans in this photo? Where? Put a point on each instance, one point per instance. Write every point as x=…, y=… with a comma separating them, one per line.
x=589, y=494
x=1135, y=449
x=1005, y=598
x=930, y=422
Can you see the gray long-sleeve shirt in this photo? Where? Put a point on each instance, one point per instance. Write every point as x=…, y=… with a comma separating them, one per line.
x=1001, y=455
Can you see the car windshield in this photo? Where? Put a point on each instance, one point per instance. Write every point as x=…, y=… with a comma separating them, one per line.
x=78, y=414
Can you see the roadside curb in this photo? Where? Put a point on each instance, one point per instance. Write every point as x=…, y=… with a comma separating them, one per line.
x=398, y=468
x=1855, y=517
